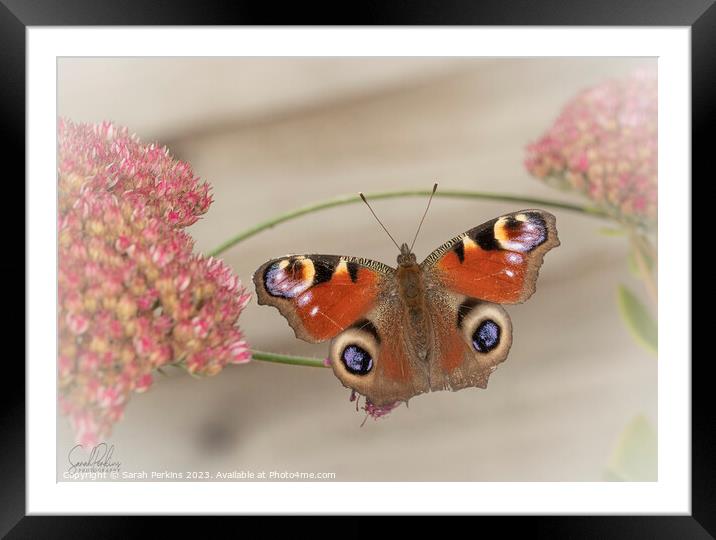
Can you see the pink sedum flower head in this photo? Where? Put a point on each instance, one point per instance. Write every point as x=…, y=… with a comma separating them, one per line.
x=133, y=297
x=604, y=145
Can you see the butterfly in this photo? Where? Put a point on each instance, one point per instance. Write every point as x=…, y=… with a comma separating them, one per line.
x=399, y=332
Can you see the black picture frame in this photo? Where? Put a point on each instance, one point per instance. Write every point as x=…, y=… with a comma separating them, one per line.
x=17, y=15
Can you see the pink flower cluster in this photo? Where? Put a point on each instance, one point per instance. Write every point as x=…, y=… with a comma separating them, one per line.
x=604, y=145
x=132, y=295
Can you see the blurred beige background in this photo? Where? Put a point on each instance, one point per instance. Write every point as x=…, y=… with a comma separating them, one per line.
x=272, y=134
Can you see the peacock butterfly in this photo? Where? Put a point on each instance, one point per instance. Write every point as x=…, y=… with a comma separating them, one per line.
x=399, y=332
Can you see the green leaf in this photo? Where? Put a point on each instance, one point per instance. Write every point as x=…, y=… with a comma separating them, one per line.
x=640, y=323
x=635, y=457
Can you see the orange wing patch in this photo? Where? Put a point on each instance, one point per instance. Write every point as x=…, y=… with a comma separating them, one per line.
x=495, y=276
x=394, y=361
x=452, y=348
x=330, y=307
x=320, y=295
x=497, y=261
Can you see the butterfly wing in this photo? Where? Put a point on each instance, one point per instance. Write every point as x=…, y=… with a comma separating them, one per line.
x=497, y=261
x=467, y=278
x=471, y=338
x=353, y=302
x=320, y=295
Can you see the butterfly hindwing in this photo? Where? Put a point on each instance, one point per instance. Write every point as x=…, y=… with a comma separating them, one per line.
x=320, y=295
x=497, y=261
x=471, y=338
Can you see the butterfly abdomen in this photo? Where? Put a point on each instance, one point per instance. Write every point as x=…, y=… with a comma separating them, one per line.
x=411, y=287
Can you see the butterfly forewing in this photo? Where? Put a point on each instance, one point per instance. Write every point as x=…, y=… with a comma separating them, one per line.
x=320, y=295
x=497, y=261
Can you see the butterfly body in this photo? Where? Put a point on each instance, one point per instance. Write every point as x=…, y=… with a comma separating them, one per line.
x=411, y=292
x=399, y=332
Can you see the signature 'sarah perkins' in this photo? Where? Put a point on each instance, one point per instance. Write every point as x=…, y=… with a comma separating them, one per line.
x=99, y=459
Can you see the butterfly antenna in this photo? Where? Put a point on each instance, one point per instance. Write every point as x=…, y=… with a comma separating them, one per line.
x=435, y=187
x=378, y=220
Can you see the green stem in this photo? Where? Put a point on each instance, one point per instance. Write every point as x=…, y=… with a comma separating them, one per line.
x=287, y=359
x=350, y=199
